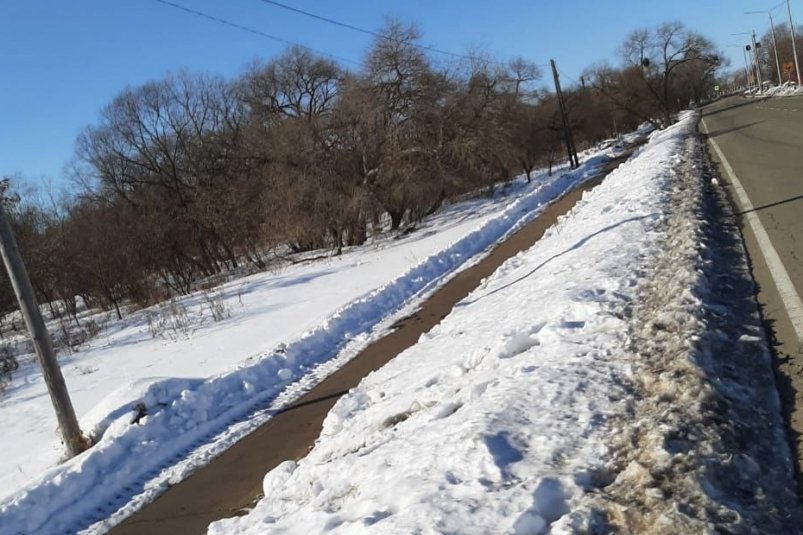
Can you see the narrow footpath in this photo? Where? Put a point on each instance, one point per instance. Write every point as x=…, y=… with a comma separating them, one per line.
x=232, y=482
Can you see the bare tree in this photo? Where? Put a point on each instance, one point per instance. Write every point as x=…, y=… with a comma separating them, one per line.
x=522, y=74
x=192, y=176
x=659, y=55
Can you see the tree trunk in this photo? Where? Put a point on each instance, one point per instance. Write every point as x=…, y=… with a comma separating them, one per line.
x=115, y=302
x=358, y=232
x=230, y=254
x=395, y=219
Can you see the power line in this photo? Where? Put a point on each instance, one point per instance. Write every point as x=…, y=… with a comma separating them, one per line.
x=251, y=30
x=570, y=78
x=370, y=32
x=322, y=18
x=260, y=33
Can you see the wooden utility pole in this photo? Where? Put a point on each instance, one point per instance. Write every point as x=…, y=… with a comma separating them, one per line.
x=564, y=117
x=65, y=414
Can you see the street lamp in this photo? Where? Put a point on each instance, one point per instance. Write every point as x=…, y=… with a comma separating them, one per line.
x=774, y=42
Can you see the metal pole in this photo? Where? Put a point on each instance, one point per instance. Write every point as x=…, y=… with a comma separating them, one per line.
x=744, y=49
x=65, y=414
x=794, y=47
x=775, y=46
x=746, y=68
x=774, y=40
x=747, y=83
x=758, y=65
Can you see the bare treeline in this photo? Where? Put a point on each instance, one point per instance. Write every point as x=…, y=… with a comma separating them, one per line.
x=191, y=176
x=665, y=69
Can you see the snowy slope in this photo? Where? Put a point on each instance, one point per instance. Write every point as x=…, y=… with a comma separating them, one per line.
x=503, y=418
x=284, y=332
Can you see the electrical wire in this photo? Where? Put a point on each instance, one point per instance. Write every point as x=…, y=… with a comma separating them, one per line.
x=379, y=35
x=328, y=20
x=571, y=79
x=252, y=30
x=363, y=30
x=322, y=18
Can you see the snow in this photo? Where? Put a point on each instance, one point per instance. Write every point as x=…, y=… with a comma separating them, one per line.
x=512, y=415
x=784, y=90
x=580, y=386
x=162, y=405
x=703, y=447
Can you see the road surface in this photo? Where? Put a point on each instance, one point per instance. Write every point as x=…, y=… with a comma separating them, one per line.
x=758, y=145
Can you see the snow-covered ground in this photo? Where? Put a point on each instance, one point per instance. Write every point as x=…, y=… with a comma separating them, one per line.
x=554, y=397
x=195, y=390
x=783, y=90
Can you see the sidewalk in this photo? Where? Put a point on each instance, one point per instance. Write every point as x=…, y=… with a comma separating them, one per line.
x=233, y=481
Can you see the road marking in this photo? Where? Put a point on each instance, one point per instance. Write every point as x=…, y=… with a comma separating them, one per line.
x=789, y=296
x=776, y=109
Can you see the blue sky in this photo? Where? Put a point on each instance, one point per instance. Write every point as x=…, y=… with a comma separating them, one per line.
x=61, y=61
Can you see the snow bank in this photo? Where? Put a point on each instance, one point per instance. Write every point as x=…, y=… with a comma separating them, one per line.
x=784, y=90
x=497, y=420
x=128, y=467
x=505, y=417
x=261, y=312
x=703, y=448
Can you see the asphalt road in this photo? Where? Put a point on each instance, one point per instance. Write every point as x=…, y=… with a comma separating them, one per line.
x=761, y=142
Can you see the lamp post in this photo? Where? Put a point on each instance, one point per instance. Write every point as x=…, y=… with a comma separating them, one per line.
x=794, y=48
x=774, y=41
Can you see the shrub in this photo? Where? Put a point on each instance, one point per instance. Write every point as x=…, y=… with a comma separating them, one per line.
x=218, y=310
x=8, y=364
x=169, y=320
